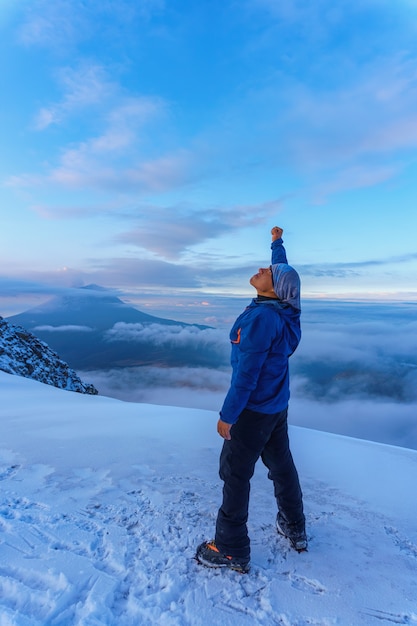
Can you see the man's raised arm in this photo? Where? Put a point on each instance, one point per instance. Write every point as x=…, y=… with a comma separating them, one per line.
x=277, y=246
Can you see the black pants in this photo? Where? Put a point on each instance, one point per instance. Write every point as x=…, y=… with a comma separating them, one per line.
x=255, y=435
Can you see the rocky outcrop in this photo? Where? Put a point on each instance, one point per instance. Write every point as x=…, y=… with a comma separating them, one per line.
x=23, y=354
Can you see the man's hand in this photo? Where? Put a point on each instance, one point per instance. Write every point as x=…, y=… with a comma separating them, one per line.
x=276, y=233
x=223, y=428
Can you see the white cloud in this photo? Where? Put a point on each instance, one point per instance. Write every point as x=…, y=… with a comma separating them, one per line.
x=383, y=421
x=186, y=226
x=180, y=336
x=120, y=155
x=110, y=163
x=84, y=87
x=355, y=177
x=61, y=25
x=65, y=328
x=175, y=386
x=371, y=115
x=357, y=353
x=50, y=24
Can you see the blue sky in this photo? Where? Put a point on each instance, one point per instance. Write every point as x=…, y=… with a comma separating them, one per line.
x=149, y=147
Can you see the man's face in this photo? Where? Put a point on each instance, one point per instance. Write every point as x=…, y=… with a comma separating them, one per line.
x=262, y=281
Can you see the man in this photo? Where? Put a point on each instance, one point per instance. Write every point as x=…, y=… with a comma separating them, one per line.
x=253, y=419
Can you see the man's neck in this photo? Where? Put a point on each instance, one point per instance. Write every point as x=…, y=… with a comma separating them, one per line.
x=261, y=297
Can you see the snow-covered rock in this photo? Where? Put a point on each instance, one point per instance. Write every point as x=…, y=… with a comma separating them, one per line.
x=24, y=354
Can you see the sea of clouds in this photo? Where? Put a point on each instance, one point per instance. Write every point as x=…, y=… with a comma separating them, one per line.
x=354, y=373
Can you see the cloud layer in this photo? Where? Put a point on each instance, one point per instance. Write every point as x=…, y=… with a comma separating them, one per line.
x=354, y=373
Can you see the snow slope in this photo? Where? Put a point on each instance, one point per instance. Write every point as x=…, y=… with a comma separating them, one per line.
x=102, y=504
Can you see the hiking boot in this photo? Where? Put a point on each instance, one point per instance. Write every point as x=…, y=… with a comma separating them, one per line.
x=209, y=555
x=295, y=533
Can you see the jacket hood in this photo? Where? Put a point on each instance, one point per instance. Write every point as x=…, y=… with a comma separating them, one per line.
x=289, y=315
x=286, y=285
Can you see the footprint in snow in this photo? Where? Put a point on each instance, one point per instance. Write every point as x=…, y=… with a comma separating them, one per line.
x=405, y=545
x=302, y=583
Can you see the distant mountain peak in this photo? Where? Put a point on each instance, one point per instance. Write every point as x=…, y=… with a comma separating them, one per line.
x=94, y=287
x=91, y=305
x=76, y=326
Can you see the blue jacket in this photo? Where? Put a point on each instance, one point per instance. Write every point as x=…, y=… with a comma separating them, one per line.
x=263, y=338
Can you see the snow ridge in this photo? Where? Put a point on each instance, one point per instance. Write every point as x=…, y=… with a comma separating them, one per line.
x=24, y=354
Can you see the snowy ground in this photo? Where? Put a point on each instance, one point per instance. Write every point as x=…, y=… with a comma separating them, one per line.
x=102, y=504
